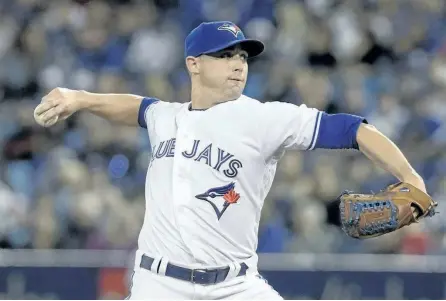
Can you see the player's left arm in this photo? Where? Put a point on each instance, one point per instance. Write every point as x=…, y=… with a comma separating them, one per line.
x=361, y=215
x=384, y=153
x=289, y=126
x=397, y=205
x=351, y=131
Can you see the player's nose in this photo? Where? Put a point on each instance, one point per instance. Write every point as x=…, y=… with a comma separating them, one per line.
x=238, y=65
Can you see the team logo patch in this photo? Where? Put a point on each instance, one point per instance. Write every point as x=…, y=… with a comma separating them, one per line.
x=220, y=198
x=234, y=29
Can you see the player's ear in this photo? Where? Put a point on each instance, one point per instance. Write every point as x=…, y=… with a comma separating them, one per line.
x=192, y=64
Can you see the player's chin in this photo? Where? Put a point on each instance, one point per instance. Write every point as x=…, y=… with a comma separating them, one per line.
x=234, y=92
x=233, y=96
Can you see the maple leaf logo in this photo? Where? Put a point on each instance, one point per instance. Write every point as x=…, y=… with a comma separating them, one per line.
x=231, y=197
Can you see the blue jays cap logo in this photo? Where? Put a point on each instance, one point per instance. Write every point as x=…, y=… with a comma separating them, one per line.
x=225, y=193
x=232, y=28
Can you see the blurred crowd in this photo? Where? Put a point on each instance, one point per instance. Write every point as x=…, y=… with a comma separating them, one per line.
x=80, y=184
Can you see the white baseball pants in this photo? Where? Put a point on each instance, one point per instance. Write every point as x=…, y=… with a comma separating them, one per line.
x=148, y=285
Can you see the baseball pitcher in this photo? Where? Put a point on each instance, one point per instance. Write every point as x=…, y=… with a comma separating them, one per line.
x=213, y=162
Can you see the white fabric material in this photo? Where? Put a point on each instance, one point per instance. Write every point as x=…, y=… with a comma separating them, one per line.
x=203, y=153
x=207, y=179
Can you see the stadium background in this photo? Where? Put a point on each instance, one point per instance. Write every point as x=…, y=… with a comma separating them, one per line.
x=79, y=185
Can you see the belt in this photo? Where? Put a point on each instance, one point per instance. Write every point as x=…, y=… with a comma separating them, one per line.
x=198, y=276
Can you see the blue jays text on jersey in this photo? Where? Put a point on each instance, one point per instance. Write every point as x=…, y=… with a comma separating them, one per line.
x=213, y=156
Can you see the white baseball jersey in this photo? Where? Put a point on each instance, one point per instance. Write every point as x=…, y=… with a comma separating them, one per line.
x=210, y=172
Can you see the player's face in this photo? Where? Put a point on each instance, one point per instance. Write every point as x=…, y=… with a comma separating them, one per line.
x=225, y=71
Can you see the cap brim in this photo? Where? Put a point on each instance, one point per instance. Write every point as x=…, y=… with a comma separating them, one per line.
x=251, y=46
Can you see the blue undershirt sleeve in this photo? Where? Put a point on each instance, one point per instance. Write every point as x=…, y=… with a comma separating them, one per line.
x=145, y=104
x=338, y=131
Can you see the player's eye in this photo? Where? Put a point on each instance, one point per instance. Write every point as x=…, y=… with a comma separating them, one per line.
x=226, y=55
x=230, y=54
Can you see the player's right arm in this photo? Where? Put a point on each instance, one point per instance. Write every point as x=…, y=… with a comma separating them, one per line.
x=125, y=109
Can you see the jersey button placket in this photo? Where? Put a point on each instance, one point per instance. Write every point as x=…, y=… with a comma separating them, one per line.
x=180, y=185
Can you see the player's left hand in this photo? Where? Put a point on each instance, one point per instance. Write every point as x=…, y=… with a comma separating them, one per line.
x=371, y=215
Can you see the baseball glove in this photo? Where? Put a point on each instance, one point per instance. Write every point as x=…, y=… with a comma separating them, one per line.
x=371, y=215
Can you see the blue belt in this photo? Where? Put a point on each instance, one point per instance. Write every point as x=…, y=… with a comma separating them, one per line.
x=198, y=276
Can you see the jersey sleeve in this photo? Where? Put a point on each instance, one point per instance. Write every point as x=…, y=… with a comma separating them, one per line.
x=298, y=127
x=146, y=109
x=288, y=126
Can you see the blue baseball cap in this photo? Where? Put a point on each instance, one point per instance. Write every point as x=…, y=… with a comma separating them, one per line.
x=209, y=37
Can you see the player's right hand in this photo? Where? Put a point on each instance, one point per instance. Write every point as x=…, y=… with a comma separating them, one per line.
x=59, y=104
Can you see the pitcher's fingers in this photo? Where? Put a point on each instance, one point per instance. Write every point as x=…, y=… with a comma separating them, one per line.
x=51, y=113
x=44, y=106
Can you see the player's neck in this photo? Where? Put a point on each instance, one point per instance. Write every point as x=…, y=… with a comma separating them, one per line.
x=204, y=98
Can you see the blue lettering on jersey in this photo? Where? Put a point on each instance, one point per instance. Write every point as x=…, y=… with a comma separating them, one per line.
x=220, y=159
x=205, y=154
x=162, y=149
